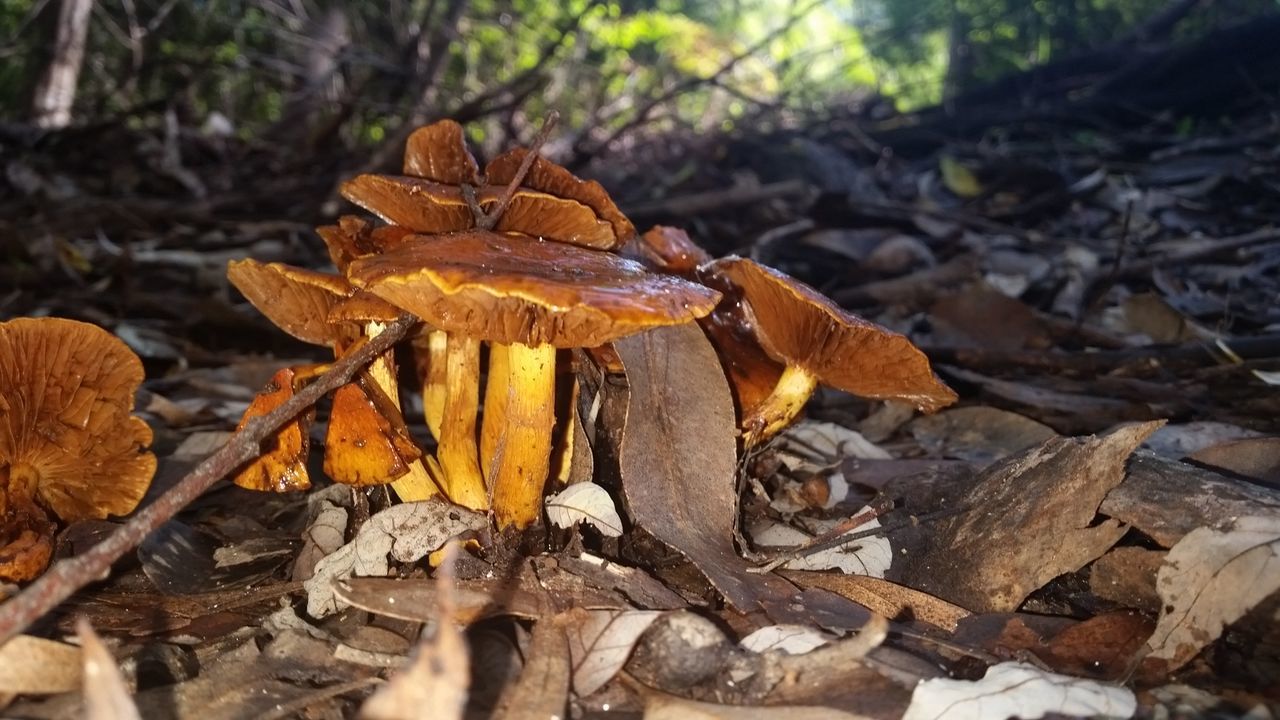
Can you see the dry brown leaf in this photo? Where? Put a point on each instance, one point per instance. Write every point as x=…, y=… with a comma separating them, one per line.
x=106, y=696
x=1210, y=579
x=1030, y=518
x=35, y=666
x=1258, y=458
x=678, y=461
x=433, y=687
x=543, y=688
x=600, y=641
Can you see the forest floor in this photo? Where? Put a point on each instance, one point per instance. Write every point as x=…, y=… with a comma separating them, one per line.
x=1092, y=530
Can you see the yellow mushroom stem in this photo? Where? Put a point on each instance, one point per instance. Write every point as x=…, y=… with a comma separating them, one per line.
x=782, y=406
x=495, y=393
x=417, y=483
x=458, y=454
x=434, y=384
x=521, y=453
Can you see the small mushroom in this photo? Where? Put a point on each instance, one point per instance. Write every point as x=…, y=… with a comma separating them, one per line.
x=817, y=341
x=69, y=442
x=527, y=298
x=282, y=466
x=325, y=309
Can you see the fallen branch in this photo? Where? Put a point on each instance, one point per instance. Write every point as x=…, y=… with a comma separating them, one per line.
x=69, y=575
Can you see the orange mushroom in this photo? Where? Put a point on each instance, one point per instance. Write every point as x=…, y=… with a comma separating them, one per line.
x=527, y=298
x=817, y=341
x=327, y=310
x=69, y=442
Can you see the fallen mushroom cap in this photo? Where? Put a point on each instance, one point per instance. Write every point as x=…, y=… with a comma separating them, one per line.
x=68, y=438
x=514, y=289
x=798, y=326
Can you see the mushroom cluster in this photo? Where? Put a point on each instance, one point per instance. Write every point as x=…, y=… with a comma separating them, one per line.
x=504, y=281
x=508, y=269
x=70, y=446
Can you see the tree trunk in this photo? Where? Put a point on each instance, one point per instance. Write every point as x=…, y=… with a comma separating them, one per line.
x=56, y=93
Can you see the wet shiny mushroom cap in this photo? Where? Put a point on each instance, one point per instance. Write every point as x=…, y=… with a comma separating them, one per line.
x=798, y=326
x=68, y=438
x=296, y=300
x=438, y=152
x=429, y=207
x=515, y=289
x=548, y=177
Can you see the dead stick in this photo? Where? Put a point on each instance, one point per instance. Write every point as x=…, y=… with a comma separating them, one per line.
x=68, y=576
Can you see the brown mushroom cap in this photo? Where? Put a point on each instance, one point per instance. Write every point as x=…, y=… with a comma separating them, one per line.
x=297, y=301
x=438, y=152
x=798, y=326
x=429, y=207
x=514, y=289
x=420, y=205
x=68, y=438
x=352, y=238
x=670, y=249
x=548, y=177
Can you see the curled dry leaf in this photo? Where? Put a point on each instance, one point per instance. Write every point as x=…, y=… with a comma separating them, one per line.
x=1210, y=579
x=69, y=443
x=677, y=456
x=584, y=502
x=407, y=532
x=1018, y=690
x=600, y=641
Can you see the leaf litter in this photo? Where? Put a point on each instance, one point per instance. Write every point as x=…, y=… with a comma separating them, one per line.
x=1136, y=557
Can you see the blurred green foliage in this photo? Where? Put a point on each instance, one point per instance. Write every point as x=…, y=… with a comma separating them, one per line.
x=288, y=69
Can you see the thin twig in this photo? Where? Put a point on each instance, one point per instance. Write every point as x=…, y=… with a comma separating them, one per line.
x=491, y=219
x=68, y=576
x=824, y=542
